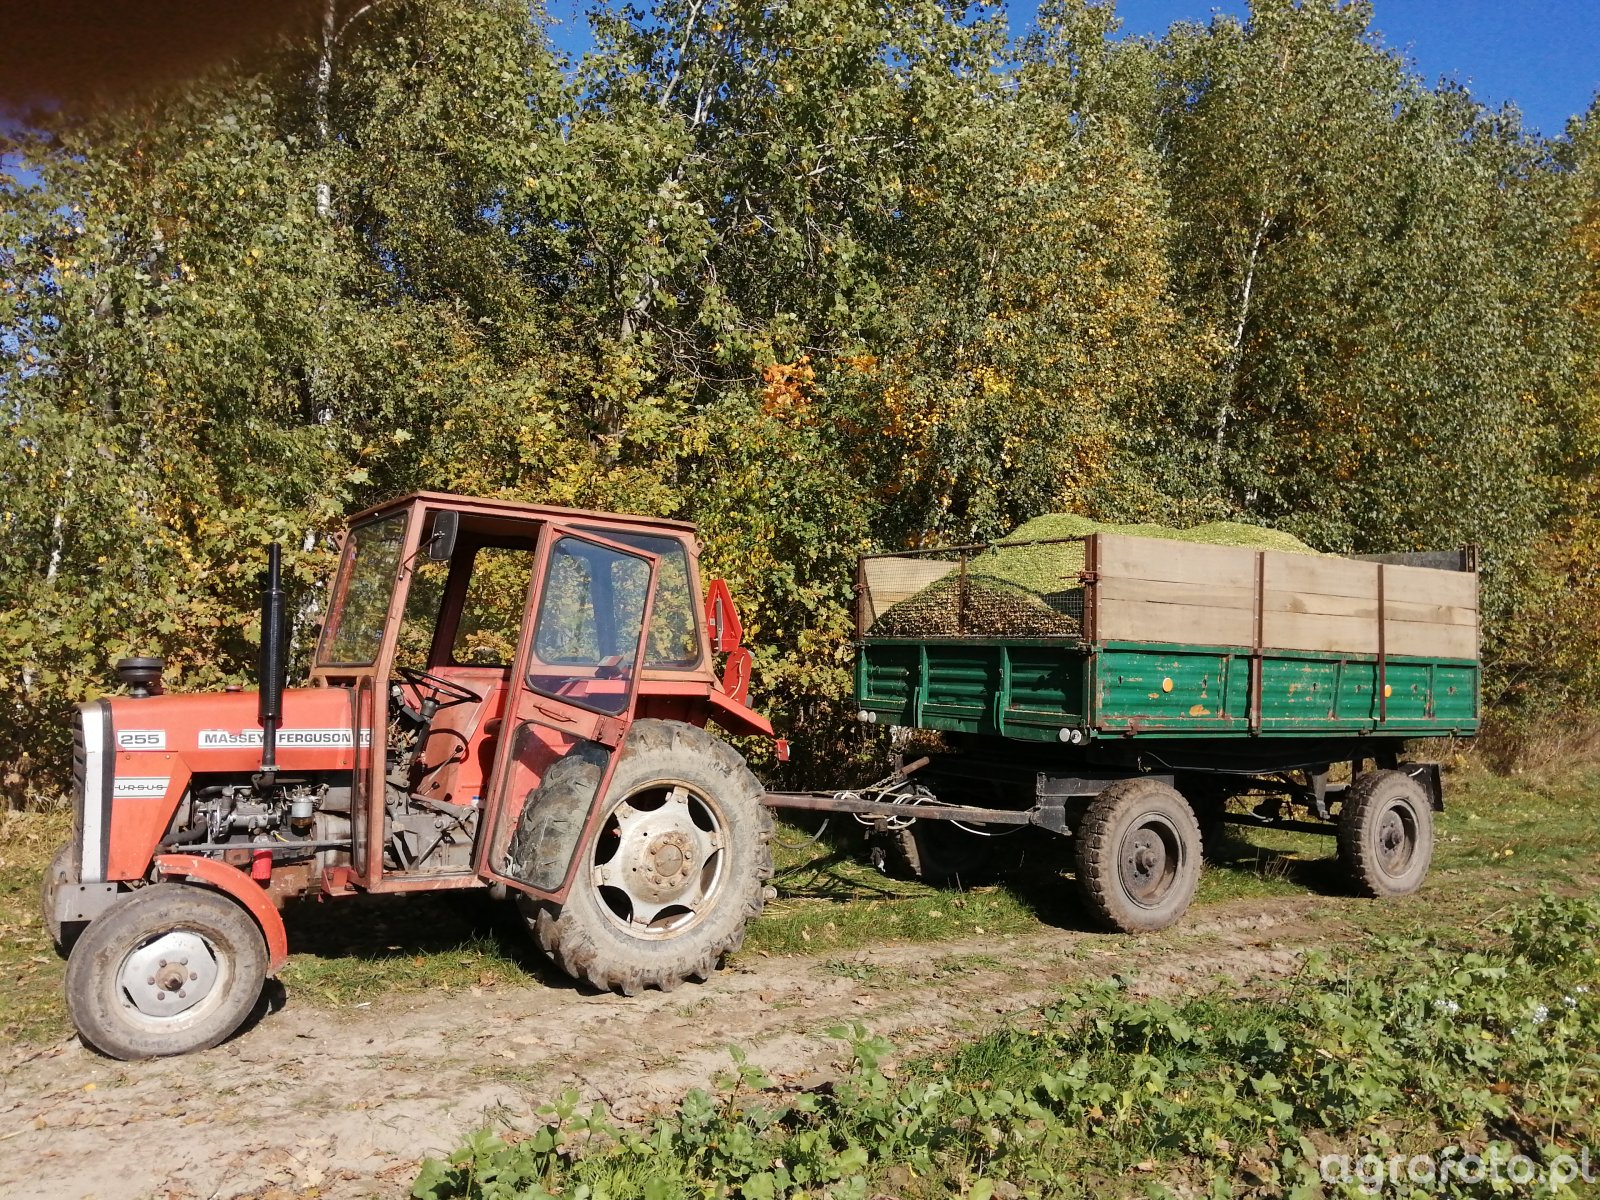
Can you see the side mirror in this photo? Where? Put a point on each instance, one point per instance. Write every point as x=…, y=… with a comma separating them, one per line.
x=442, y=541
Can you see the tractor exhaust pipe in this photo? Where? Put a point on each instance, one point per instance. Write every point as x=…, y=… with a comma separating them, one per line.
x=270, y=708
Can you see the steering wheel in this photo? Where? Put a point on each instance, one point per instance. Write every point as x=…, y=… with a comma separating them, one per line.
x=445, y=692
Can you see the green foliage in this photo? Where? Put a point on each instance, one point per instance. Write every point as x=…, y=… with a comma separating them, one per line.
x=821, y=277
x=1458, y=1047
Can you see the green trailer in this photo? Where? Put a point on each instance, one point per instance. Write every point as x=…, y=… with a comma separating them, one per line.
x=1141, y=692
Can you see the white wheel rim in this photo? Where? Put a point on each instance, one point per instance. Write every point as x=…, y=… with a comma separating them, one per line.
x=172, y=979
x=660, y=861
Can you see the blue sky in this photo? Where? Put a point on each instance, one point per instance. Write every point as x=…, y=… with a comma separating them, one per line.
x=1542, y=54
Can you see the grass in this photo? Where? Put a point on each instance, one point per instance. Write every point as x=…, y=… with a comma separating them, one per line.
x=350, y=952
x=31, y=973
x=830, y=898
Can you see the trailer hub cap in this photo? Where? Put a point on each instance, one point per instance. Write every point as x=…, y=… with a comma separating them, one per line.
x=168, y=975
x=659, y=860
x=1150, y=858
x=1396, y=839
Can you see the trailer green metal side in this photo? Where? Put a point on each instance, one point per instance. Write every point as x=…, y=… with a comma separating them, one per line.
x=1174, y=640
x=1039, y=690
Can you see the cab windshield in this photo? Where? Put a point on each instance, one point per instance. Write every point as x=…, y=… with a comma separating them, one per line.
x=354, y=632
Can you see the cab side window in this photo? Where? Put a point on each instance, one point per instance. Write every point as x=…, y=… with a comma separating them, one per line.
x=491, y=610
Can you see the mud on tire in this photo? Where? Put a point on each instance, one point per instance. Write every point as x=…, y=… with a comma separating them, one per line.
x=1138, y=856
x=676, y=871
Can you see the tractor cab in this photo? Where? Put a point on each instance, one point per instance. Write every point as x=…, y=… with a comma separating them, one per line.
x=483, y=642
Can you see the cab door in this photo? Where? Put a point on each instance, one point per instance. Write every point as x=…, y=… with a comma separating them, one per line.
x=571, y=702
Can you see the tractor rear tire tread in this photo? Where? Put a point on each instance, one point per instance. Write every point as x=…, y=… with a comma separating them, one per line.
x=576, y=935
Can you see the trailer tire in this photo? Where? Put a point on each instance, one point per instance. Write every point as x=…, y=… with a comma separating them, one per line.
x=57, y=876
x=128, y=975
x=940, y=855
x=1138, y=855
x=700, y=864
x=1386, y=833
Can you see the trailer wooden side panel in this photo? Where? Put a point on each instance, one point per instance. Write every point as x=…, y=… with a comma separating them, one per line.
x=1152, y=590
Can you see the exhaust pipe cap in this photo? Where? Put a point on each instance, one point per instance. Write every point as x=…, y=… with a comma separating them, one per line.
x=142, y=675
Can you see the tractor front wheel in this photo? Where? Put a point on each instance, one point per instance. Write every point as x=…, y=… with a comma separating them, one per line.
x=56, y=877
x=676, y=871
x=169, y=969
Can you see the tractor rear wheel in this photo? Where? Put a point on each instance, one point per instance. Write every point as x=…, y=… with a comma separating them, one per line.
x=169, y=969
x=676, y=871
x=1138, y=855
x=1386, y=833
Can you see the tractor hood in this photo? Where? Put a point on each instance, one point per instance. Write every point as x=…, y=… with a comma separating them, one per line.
x=220, y=731
x=137, y=756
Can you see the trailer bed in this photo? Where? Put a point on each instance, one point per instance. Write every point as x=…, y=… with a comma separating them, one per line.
x=1182, y=640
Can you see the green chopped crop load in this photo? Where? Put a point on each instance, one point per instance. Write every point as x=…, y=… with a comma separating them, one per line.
x=1028, y=585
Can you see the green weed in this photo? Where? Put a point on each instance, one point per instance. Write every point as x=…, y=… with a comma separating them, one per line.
x=31, y=1009
x=356, y=950
x=1404, y=1048
x=831, y=898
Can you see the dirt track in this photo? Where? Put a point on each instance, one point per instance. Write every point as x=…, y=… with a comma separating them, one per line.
x=345, y=1103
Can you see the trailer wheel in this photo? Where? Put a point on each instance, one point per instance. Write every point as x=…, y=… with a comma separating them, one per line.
x=1386, y=833
x=57, y=876
x=939, y=854
x=169, y=969
x=675, y=873
x=1138, y=855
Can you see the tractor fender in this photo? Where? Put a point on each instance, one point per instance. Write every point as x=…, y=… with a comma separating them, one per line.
x=735, y=717
x=236, y=884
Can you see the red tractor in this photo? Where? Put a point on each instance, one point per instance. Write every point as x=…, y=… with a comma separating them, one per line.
x=503, y=696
